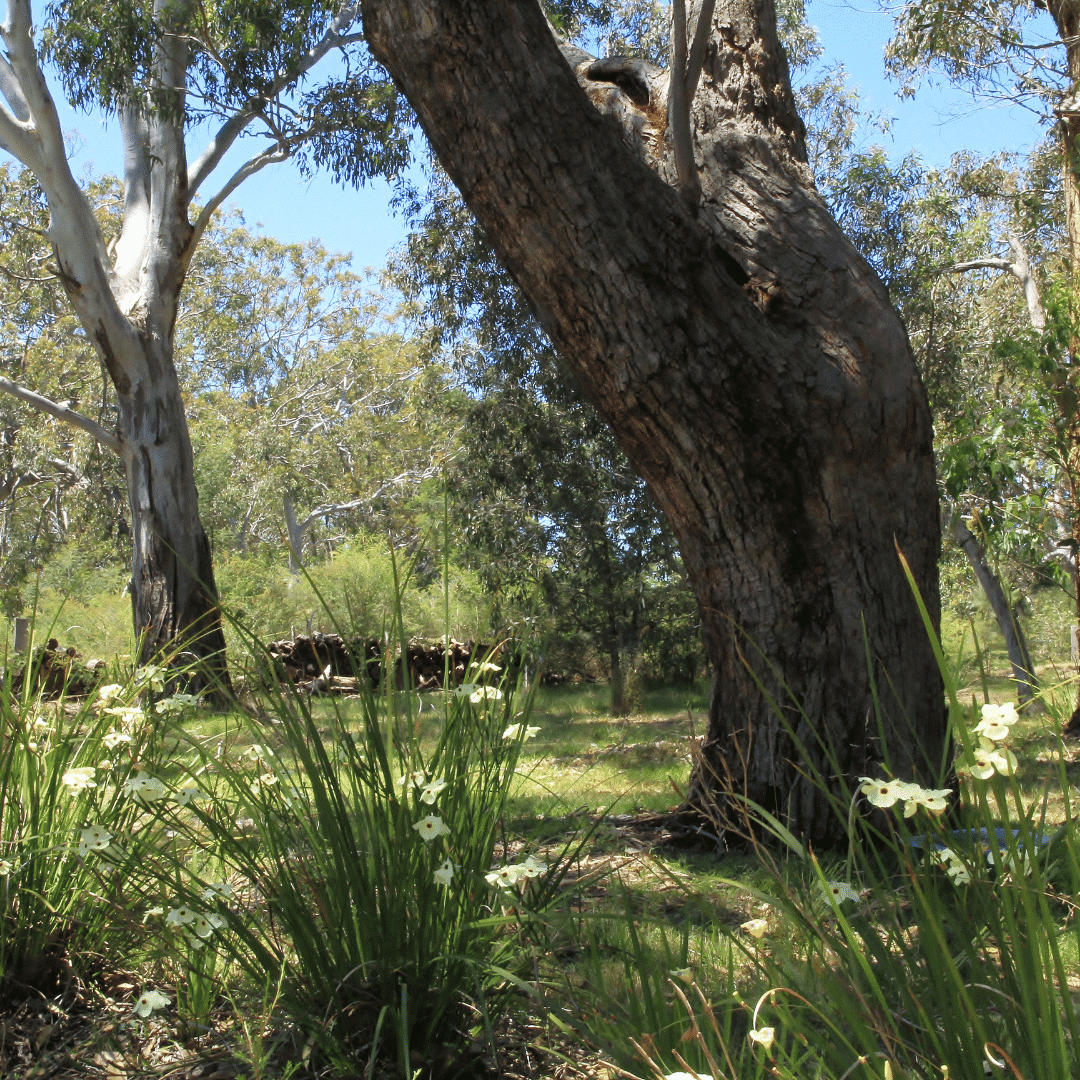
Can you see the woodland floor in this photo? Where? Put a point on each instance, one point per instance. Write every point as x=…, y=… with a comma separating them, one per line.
x=86, y=1031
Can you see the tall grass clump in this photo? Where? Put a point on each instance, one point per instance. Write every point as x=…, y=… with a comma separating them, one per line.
x=364, y=843
x=72, y=833
x=943, y=943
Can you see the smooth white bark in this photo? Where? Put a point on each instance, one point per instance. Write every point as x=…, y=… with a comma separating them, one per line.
x=62, y=412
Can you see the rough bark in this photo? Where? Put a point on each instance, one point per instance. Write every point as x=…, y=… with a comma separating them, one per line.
x=746, y=357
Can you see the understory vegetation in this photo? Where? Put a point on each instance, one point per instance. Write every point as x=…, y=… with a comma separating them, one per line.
x=485, y=879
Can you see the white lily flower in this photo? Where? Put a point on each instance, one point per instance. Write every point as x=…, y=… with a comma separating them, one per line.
x=504, y=877
x=431, y=791
x=996, y=721
x=180, y=916
x=431, y=826
x=148, y=1001
x=79, y=779
x=95, y=838
x=839, y=891
x=763, y=1037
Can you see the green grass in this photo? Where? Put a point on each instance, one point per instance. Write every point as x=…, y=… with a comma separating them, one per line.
x=628, y=919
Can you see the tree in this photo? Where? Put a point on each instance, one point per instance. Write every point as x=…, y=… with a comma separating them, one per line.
x=543, y=494
x=55, y=482
x=307, y=406
x=163, y=67
x=1026, y=52
x=744, y=354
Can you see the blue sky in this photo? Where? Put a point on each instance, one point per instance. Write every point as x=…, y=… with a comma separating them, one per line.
x=939, y=122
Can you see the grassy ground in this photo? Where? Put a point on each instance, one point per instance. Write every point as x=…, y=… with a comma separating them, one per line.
x=631, y=893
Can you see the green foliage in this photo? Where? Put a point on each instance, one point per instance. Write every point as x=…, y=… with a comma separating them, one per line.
x=55, y=484
x=239, y=52
x=997, y=47
x=944, y=942
x=375, y=841
x=357, y=586
x=71, y=838
x=302, y=390
x=543, y=496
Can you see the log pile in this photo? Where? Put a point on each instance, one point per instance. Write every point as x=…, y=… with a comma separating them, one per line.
x=326, y=663
x=57, y=672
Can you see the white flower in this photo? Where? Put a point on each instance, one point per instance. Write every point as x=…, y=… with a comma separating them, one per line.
x=755, y=928
x=6, y=868
x=188, y=795
x=484, y=693
x=686, y=974
x=79, y=779
x=839, y=891
x=504, y=877
x=180, y=916
x=107, y=695
x=115, y=738
x=216, y=889
x=176, y=703
x=531, y=867
x=127, y=715
x=886, y=793
x=464, y=690
x=954, y=866
x=431, y=827
x=512, y=732
x=933, y=799
x=687, y=1076
x=996, y=721
x=989, y=759
x=149, y=1001
x=205, y=925
x=144, y=788
x=486, y=667
x=431, y=791
x=152, y=675
x=94, y=838
x=763, y=1037
x=445, y=873
x=419, y=778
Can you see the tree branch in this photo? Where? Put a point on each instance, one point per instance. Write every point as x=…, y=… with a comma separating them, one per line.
x=679, y=111
x=62, y=412
x=228, y=133
x=1020, y=268
x=980, y=264
x=249, y=168
x=696, y=59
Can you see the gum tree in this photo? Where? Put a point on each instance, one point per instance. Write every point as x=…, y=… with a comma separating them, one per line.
x=239, y=69
x=665, y=227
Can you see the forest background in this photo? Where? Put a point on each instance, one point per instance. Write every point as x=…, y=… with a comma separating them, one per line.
x=331, y=408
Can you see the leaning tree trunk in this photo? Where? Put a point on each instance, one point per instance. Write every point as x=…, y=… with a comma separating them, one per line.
x=1027, y=683
x=745, y=355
